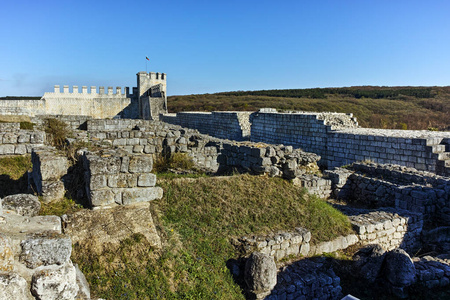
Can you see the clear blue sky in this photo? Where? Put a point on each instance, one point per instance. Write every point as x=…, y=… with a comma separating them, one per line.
x=212, y=46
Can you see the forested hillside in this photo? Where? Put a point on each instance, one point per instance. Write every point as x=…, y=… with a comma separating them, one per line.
x=376, y=107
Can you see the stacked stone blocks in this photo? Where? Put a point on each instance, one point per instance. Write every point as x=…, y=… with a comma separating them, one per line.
x=114, y=178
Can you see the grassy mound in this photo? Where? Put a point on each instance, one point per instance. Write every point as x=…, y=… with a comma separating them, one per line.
x=196, y=219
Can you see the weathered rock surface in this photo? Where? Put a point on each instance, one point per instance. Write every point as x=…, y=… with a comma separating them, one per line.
x=260, y=273
x=13, y=286
x=44, y=251
x=107, y=227
x=22, y=204
x=368, y=261
x=57, y=283
x=6, y=254
x=84, y=291
x=399, y=268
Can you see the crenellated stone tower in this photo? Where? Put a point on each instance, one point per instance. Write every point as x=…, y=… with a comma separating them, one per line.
x=151, y=94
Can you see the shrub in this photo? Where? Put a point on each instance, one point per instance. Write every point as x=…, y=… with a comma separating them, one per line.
x=27, y=125
x=57, y=132
x=178, y=161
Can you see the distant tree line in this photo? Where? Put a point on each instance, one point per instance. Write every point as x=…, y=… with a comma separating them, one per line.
x=19, y=98
x=358, y=93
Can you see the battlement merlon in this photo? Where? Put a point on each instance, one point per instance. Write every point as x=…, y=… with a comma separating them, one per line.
x=93, y=91
x=146, y=80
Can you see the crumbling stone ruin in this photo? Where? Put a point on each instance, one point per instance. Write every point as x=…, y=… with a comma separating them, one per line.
x=393, y=185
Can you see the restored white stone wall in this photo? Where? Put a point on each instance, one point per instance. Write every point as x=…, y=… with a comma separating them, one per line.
x=22, y=107
x=223, y=124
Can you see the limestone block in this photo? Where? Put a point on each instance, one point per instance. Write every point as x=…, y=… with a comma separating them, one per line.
x=22, y=204
x=133, y=195
x=20, y=149
x=49, y=166
x=284, y=245
x=125, y=164
x=9, y=138
x=7, y=149
x=260, y=273
x=97, y=182
x=84, y=291
x=58, y=283
x=293, y=249
x=44, y=251
x=37, y=137
x=6, y=254
x=103, y=165
x=13, y=286
x=102, y=197
x=23, y=138
x=306, y=234
x=141, y=164
x=304, y=249
x=52, y=190
x=146, y=180
x=368, y=261
x=123, y=180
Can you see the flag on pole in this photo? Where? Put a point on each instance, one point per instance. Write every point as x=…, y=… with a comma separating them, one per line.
x=147, y=58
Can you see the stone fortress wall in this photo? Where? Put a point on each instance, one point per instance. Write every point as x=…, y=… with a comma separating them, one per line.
x=147, y=100
x=335, y=137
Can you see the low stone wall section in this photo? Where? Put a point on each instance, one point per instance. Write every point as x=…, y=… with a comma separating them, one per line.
x=208, y=153
x=307, y=279
x=387, y=227
x=14, y=141
x=118, y=178
x=432, y=272
x=225, y=125
x=73, y=122
x=392, y=185
x=422, y=150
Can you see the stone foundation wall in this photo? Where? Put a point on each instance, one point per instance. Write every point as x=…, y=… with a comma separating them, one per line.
x=208, y=153
x=118, y=178
x=336, y=138
x=432, y=272
x=73, y=122
x=396, y=186
x=388, y=227
x=14, y=141
x=224, y=125
x=306, y=279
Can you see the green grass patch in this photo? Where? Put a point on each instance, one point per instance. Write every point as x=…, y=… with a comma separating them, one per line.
x=196, y=219
x=176, y=161
x=15, y=166
x=59, y=207
x=27, y=125
x=14, y=174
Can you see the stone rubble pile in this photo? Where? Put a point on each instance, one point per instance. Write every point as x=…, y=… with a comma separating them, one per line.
x=35, y=255
x=279, y=245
